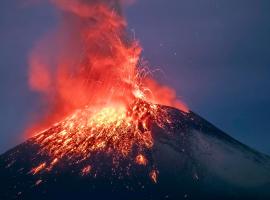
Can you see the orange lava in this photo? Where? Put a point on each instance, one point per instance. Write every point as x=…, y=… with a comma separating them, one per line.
x=110, y=130
x=99, y=97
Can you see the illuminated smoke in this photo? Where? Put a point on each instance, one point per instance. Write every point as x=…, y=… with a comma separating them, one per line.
x=90, y=59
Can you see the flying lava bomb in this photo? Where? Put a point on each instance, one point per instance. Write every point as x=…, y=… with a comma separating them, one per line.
x=111, y=131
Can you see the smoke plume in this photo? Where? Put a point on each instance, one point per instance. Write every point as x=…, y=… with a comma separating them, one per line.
x=90, y=59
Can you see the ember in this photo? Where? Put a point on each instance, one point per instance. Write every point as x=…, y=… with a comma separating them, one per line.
x=86, y=170
x=154, y=175
x=38, y=168
x=141, y=160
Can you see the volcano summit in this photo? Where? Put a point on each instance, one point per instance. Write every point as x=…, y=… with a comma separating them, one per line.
x=164, y=154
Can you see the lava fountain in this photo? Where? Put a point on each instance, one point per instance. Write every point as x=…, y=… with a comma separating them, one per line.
x=101, y=97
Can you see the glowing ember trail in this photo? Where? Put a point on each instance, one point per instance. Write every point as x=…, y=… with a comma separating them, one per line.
x=38, y=168
x=154, y=175
x=100, y=99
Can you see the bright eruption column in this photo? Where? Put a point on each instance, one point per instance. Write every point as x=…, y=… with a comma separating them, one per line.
x=100, y=95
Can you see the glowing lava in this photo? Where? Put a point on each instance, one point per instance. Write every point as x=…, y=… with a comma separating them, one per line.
x=115, y=131
x=89, y=69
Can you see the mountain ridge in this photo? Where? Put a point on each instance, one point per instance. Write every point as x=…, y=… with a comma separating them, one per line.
x=190, y=159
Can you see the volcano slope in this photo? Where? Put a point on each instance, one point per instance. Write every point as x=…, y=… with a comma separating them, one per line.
x=182, y=156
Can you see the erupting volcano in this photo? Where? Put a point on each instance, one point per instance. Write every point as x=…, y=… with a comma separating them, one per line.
x=111, y=131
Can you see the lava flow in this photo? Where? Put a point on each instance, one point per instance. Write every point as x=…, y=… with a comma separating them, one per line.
x=100, y=96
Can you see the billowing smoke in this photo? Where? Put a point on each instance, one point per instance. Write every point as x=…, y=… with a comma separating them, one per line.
x=89, y=59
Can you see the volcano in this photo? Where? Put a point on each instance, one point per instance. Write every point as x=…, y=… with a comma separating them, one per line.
x=114, y=131
x=166, y=154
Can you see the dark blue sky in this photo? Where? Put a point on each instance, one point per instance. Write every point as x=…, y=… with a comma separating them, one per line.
x=215, y=53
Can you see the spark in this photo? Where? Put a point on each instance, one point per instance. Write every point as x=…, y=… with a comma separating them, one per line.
x=86, y=170
x=38, y=182
x=154, y=175
x=141, y=160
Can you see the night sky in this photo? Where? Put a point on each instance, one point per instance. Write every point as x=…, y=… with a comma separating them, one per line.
x=215, y=53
